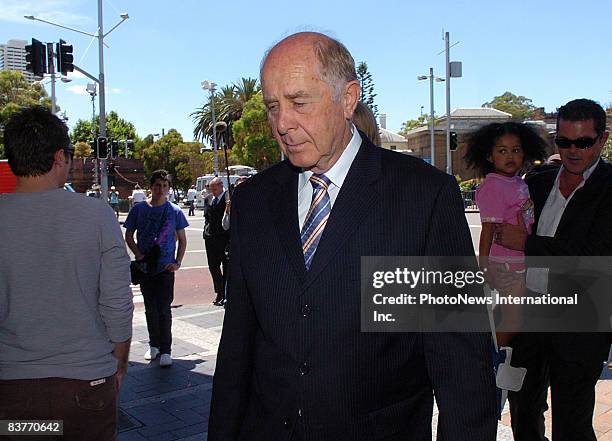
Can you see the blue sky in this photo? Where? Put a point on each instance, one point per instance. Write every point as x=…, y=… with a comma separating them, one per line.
x=549, y=51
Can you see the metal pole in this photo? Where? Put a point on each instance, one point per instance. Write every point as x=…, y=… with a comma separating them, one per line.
x=214, y=121
x=94, y=136
x=432, y=140
x=229, y=187
x=449, y=163
x=51, y=71
x=101, y=93
x=126, y=146
x=53, y=106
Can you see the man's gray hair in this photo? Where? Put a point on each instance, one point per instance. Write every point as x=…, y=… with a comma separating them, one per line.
x=336, y=64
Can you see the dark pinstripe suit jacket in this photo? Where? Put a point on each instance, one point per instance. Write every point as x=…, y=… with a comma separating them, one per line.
x=292, y=360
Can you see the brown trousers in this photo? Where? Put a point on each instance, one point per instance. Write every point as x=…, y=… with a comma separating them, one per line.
x=89, y=412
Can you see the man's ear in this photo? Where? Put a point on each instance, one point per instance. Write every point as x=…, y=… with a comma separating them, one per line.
x=352, y=92
x=59, y=157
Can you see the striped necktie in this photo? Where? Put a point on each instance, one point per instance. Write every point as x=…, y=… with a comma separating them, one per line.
x=317, y=216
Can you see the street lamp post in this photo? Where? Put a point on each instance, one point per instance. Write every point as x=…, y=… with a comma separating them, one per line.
x=432, y=139
x=91, y=90
x=100, y=80
x=210, y=86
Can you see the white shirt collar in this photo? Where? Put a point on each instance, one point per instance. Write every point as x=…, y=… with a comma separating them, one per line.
x=337, y=174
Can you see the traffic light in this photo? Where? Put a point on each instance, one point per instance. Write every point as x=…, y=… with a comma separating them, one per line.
x=453, y=141
x=102, y=147
x=36, y=57
x=114, y=148
x=65, y=58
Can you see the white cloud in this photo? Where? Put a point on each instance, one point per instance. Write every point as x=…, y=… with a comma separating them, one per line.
x=51, y=10
x=77, y=89
x=76, y=75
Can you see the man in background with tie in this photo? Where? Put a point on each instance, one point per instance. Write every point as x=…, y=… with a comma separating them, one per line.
x=216, y=238
x=293, y=363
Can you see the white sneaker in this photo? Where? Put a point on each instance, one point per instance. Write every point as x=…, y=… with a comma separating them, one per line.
x=152, y=353
x=165, y=360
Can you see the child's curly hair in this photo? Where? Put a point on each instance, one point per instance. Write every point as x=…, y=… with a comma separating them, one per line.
x=481, y=142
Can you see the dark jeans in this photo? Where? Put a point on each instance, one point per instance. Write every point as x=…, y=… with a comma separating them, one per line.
x=191, y=208
x=554, y=360
x=89, y=412
x=217, y=262
x=158, y=294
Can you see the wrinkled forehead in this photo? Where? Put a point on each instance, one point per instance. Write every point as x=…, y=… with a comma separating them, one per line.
x=290, y=59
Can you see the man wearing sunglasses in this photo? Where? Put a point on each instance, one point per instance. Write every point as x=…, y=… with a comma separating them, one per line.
x=573, y=215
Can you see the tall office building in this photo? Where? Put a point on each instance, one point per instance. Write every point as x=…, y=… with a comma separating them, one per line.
x=12, y=57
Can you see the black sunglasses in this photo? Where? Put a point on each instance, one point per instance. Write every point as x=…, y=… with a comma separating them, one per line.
x=581, y=143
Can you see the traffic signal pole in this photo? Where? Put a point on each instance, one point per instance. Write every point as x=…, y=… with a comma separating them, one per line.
x=51, y=71
x=102, y=101
x=100, y=80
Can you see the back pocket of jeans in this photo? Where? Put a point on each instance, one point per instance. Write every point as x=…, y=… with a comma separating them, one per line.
x=98, y=397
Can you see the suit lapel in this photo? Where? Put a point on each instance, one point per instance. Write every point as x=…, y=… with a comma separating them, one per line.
x=354, y=202
x=282, y=201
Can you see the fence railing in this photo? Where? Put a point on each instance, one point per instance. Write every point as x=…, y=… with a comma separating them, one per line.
x=469, y=200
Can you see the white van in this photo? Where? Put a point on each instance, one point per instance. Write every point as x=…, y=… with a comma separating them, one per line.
x=201, y=186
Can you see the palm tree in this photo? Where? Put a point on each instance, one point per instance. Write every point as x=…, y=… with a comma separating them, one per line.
x=229, y=103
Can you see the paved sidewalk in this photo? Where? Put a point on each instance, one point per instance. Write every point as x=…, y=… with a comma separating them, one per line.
x=172, y=403
x=160, y=404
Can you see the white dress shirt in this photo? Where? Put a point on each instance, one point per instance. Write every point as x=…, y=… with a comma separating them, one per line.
x=336, y=174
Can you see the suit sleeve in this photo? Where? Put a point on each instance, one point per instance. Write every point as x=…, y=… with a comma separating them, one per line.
x=233, y=373
x=596, y=242
x=460, y=365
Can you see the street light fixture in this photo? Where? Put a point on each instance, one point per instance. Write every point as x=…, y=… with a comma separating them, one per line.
x=100, y=80
x=210, y=86
x=432, y=140
x=92, y=91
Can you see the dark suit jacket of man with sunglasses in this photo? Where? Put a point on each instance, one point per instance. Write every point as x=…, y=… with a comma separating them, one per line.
x=571, y=363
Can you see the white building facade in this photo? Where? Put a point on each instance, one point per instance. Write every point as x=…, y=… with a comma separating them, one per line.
x=13, y=57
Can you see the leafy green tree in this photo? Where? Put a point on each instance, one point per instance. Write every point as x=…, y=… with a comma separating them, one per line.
x=229, y=104
x=606, y=153
x=82, y=150
x=183, y=160
x=520, y=107
x=255, y=145
x=157, y=155
x=414, y=123
x=116, y=127
x=367, y=87
x=16, y=93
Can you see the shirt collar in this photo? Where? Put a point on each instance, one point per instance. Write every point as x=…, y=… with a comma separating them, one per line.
x=337, y=174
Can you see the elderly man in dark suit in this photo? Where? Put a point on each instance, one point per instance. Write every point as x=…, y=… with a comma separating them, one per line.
x=216, y=237
x=573, y=217
x=292, y=363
